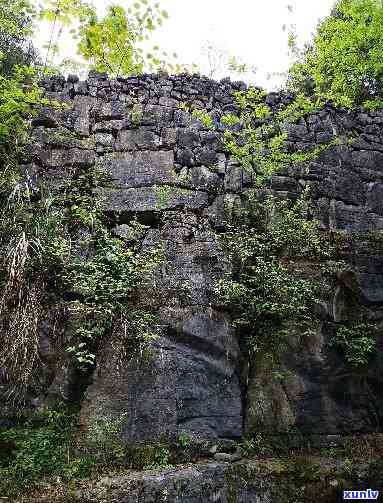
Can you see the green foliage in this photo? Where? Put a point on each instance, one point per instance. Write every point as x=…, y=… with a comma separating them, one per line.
x=108, y=277
x=184, y=106
x=161, y=459
x=184, y=440
x=255, y=446
x=34, y=248
x=105, y=281
x=111, y=44
x=263, y=291
x=43, y=260
x=357, y=343
x=144, y=327
x=61, y=15
x=230, y=120
x=65, y=12
x=136, y=114
x=300, y=107
x=163, y=194
x=104, y=440
x=204, y=118
x=343, y=64
x=257, y=138
x=154, y=456
x=16, y=17
x=19, y=94
x=41, y=449
x=237, y=66
x=199, y=114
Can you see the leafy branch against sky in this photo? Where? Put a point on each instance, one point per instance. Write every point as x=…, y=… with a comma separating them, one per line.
x=249, y=33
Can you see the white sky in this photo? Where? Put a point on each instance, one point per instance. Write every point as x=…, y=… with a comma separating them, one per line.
x=251, y=30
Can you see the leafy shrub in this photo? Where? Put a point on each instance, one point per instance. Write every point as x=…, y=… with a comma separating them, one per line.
x=257, y=445
x=343, y=64
x=357, y=343
x=262, y=292
x=42, y=448
x=104, y=440
x=184, y=440
x=259, y=142
x=161, y=459
x=204, y=118
x=150, y=457
x=16, y=28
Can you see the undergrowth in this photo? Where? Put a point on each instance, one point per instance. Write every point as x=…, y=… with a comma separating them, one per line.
x=41, y=449
x=58, y=250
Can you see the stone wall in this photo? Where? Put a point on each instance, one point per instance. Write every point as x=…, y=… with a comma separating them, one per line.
x=171, y=173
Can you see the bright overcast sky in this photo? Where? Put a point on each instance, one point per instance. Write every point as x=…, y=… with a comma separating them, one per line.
x=251, y=30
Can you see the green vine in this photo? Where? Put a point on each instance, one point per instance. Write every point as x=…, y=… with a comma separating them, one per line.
x=57, y=245
x=265, y=291
x=357, y=343
x=257, y=138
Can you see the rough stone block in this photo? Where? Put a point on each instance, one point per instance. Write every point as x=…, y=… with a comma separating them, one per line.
x=137, y=139
x=151, y=199
x=139, y=169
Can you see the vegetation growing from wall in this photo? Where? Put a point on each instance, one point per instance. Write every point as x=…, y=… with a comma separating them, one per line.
x=60, y=255
x=41, y=230
x=257, y=137
x=58, y=251
x=19, y=97
x=357, y=343
x=43, y=260
x=264, y=292
x=41, y=448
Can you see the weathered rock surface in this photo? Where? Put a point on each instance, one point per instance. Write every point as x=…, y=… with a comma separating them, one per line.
x=302, y=479
x=170, y=172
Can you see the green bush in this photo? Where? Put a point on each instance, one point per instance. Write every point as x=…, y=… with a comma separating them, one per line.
x=357, y=343
x=262, y=292
x=344, y=64
x=42, y=448
x=16, y=28
x=104, y=442
x=259, y=142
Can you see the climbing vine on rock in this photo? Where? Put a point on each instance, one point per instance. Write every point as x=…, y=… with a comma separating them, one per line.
x=270, y=287
x=266, y=289
x=257, y=136
x=356, y=341
x=59, y=250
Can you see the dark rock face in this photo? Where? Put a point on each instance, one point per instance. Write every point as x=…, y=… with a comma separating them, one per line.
x=170, y=172
x=192, y=384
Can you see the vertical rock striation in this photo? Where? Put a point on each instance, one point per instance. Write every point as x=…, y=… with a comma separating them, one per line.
x=170, y=172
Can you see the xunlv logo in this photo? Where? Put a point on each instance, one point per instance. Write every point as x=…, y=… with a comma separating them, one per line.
x=369, y=494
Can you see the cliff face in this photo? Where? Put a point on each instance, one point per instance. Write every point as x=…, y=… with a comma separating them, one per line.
x=171, y=173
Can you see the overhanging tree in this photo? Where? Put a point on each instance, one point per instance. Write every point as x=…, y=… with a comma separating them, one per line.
x=344, y=63
x=16, y=28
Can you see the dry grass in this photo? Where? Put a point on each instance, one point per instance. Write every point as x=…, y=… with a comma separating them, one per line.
x=20, y=312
